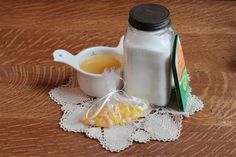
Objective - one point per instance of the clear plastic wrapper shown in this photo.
(115, 108)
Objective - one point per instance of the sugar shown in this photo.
(147, 65)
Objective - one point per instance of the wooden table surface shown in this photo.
(31, 31)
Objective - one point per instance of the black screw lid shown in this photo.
(149, 17)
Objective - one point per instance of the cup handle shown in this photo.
(66, 57)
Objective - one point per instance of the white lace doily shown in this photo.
(160, 124)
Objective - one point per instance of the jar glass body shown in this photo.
(147, 64)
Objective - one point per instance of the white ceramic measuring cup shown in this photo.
(91, 84)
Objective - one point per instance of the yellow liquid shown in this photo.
(98, 63)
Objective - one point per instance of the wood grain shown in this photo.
(30, 31)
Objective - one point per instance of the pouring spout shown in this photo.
(66, 57)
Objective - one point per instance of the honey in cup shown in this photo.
(96, 64)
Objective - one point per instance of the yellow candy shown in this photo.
(118, 115)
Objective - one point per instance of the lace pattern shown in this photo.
(160, 124)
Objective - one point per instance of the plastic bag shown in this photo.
(116, 108)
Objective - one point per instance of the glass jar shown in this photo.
(147, 53)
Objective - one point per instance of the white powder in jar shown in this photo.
(147, 64)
